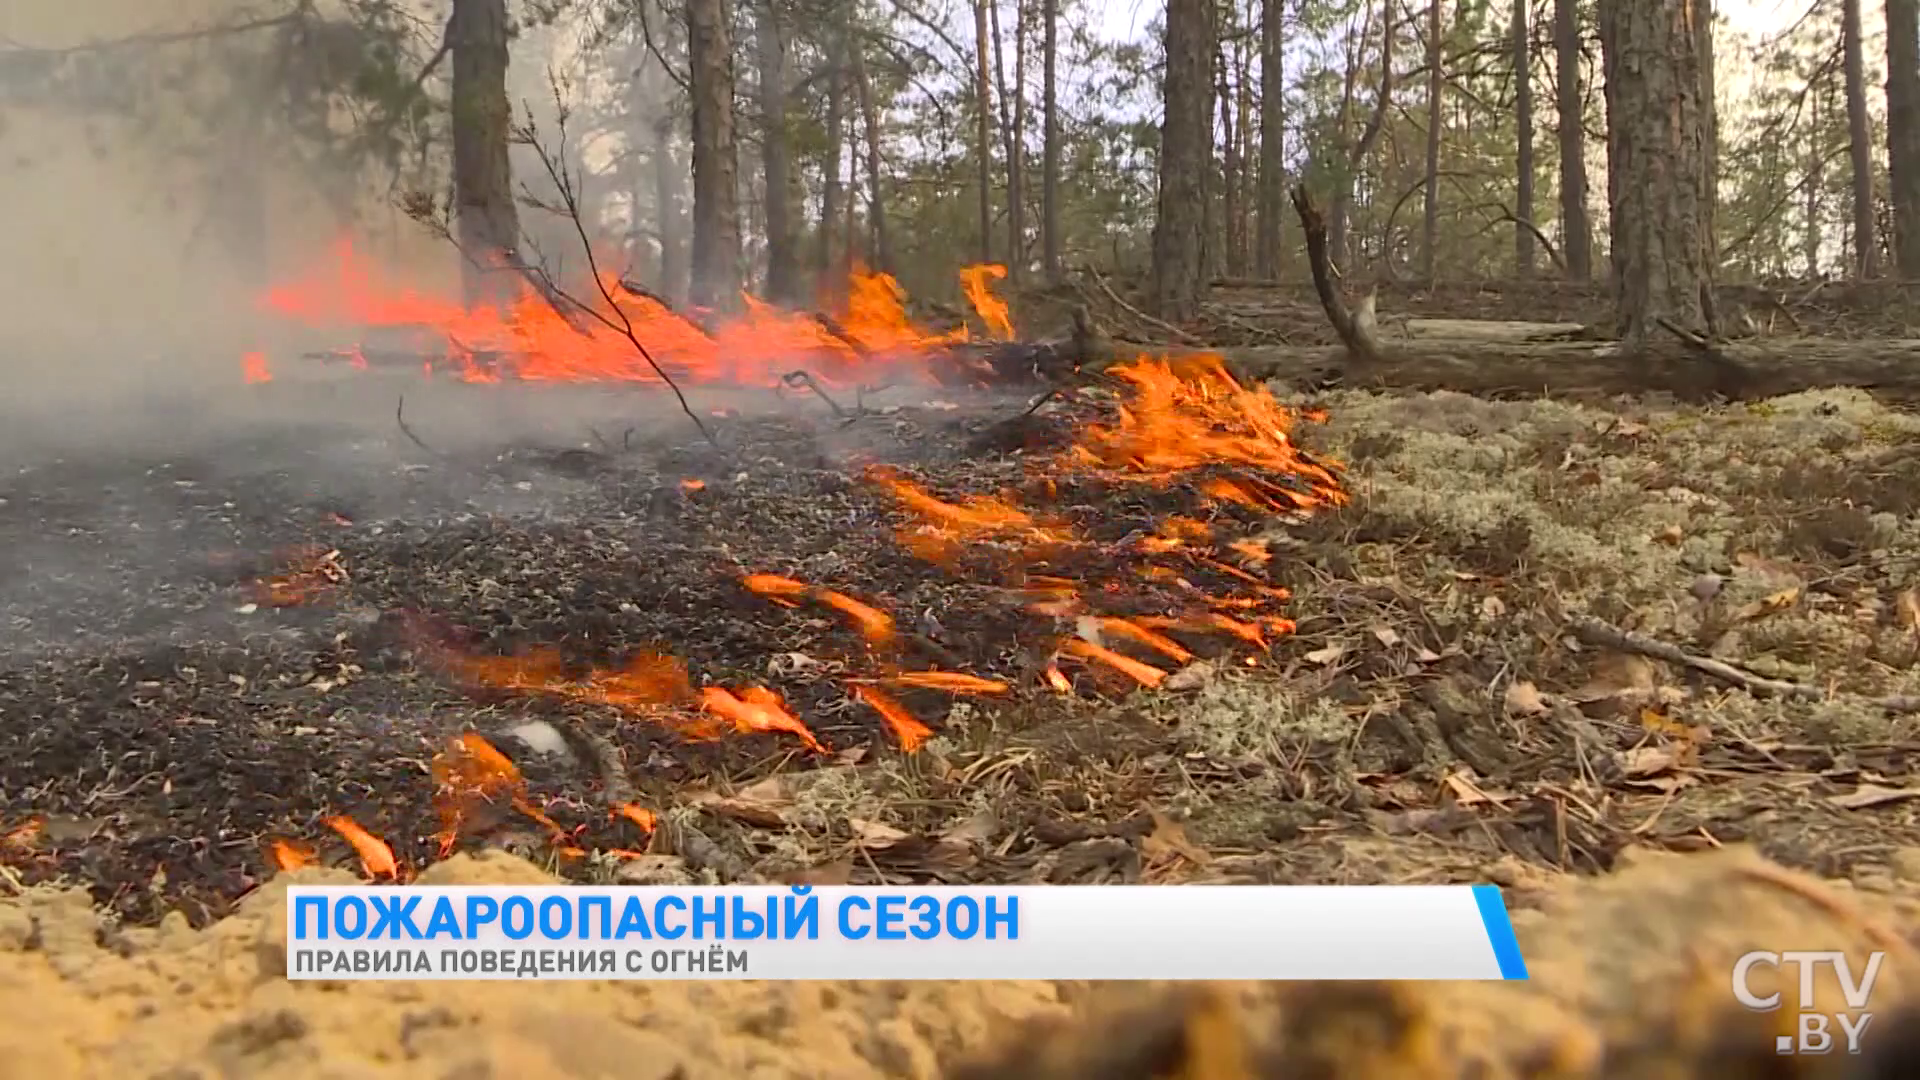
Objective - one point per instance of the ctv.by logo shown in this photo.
(1813, 1030)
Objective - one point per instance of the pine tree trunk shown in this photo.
(1186, 153)
(1273, 140)
(983, 127)
(828, 283)
(1009, 142)
(1436, 83)
(1230, 169)
(716, 213)
(880, 252)
(1903, 131)
(1816, 180)
(1017, 162)
(1860, 139)
(1050, 143)
(1523, 157)
(675, 266)
(1710, 124)
(776, 157)
(486, 221)
(1656, 165)
(1576, 243)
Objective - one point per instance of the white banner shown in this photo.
(1175, 932)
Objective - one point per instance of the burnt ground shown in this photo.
(1435, 717)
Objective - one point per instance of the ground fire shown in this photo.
(1105, 612)
(535, 339)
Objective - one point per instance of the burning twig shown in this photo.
(562, 177)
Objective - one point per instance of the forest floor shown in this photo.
(1541, 644)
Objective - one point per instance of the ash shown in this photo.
(163, 723)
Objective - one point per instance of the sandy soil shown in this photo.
(1630, 978)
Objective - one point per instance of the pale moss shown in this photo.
(1235, 719)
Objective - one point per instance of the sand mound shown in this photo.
(1630, 978)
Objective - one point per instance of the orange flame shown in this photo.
(909, 731)
(757, 709)
(289, 856)
(538, 343)
(1144, 674)
(952, 682)
(992, 310)
(376, 858)
(254, 368)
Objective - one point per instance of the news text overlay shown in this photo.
(939, 933)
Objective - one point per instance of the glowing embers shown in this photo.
(311, 574)
(528, 339)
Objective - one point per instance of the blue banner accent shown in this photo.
(1506, 947)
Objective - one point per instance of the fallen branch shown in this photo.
(1606, 636)
(801, 378)
(562, 179)
(400, 418)
(1356, 334)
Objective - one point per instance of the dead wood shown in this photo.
(1689, 368)
(1595, 632)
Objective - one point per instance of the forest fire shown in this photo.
(535, 338)
(1122, 611)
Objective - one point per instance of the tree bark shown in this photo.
(1860, 139)
(983, 127)
(1186, 155)
(1010, 135)
(1523, 158)
(486, 220)
(828, 284)
(1576, 240)
(1436, 82)
(776, 157)
(1656, 165)
(880, 252)
(1050, 143)
(1710, 127)
(716, 214)
(1273, 138)
(1230, 169)
(1816, 180)
(1903, 132)
(674, 263)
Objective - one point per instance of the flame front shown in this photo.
(1126, 612)
(529, 338)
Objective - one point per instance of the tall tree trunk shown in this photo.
(485, 218)
(716, 214)
(1273, 137)
(1576, 233)
(1860, 139)
(1656, 164)
(1050, 142)
(1233, 262)
(1710, 124)
(776, 157)
(1017, 163)
(829, 283)
(983, 127)
(1436, 83)
(1186, 153)
(1903, 132)
(880, 251)
(675, 266)
(1243, 53)
(1339, 216)
(1816, 179)
(1009, 142)
(1523, 158)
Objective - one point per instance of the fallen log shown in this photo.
(1686, 365)
(1744, 371)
